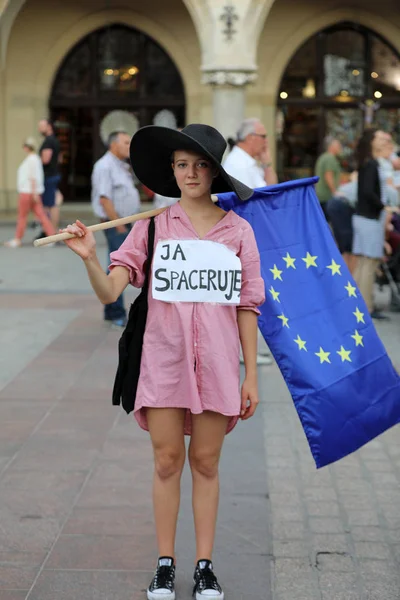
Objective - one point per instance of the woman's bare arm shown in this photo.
(107, 287)
(247, 323)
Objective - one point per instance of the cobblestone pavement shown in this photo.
(75, 472)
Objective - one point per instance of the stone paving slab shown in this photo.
(335, 532)
(75, 473)
(51, 269)
(75, 485)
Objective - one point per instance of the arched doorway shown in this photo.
(340, 81)
(114, 75)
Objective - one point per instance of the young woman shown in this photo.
(30, 186)
(370, 216)
(189, 376)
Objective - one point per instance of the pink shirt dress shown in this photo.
(190, 355)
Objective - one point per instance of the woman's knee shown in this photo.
(204, 463)
(169, 462)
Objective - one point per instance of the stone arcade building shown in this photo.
(305, 67)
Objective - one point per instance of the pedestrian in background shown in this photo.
(30, 186)
(369, 220)
(114, 195)
(250, 158)
(328, 169)
(340, 210)
(250, 161)
(390, 194)
(49, 154)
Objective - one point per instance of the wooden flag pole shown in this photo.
(60, 237)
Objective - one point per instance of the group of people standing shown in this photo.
(37, 184)
(362, 211)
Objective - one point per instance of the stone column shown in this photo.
(3, 148)
(229, 88)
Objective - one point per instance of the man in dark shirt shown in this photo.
(49, 154)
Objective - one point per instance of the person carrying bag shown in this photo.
(131, 342)
(204, 290)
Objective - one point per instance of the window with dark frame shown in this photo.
(114, 68)
(341, 80)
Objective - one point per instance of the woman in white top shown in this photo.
(30, 186)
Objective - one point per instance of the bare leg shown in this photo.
(166, 431)
(55, 216)
(24, 206)
(40, 214)
(352, 263)
(55, 210)
(350, 260)
(208, 433)
(364, 276)
(357, 274)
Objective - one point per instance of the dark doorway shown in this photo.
(113, 69)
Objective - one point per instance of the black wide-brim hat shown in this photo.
(151, 157)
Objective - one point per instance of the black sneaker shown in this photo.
(162, 586)
(206, 585)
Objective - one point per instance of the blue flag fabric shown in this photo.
(343, 384)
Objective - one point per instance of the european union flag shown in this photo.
(343, 384)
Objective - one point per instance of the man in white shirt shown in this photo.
(250, 162)
(114, 195)
(250, 159)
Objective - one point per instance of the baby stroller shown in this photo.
(389, 269)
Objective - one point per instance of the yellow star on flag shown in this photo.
(358, 338)
(310, 260)
(274, 294)
(301, 343)
(323, 356)
(334, 267)
(284, 320)
(289, 260)
(276, 273)
(351, 290)
(359, 316)
(344, 354)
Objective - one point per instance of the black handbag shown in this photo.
(131, 342)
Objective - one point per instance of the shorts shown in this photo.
(50, 188)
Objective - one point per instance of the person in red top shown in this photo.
(204, 292)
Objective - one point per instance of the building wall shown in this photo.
(43, 33)
(268, 33)
(2, 141)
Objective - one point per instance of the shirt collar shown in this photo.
(176, 211)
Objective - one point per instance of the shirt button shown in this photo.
(195, 344)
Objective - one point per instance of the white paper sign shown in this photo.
(196, 271)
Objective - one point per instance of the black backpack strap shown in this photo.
(150, 252)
